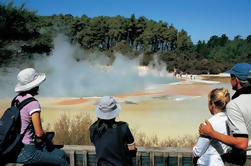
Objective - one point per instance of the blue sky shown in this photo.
(200, 18)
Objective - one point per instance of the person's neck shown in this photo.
(216, 111)
(243, 90)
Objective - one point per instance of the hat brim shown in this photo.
(108, 115)
(230, 72)
(22, 88)
(241, 76)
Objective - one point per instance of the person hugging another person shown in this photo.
(114, 142)
(238, 111)
(207, 149)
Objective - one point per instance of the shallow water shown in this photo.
(162, 110)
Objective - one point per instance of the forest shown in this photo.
(25, 35)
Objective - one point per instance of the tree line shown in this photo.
(24, 34)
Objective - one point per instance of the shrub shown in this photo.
(142, 139)
(75, 131)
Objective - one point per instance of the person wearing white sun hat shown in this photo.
(114, 142)
(28, 84)
(108, 108)
(29, 79)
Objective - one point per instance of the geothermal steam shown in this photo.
(90, 76)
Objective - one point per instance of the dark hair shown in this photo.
(33, 91)
(101, 126)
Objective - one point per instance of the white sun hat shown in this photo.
(28, 79)
(108, 108)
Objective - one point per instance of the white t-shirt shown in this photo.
(238, 111)
(210, 150)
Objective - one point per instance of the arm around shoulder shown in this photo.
(238, 142)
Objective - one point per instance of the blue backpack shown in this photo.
(10, 127)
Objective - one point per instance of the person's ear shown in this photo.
(237, 80)
(210, 107)
(213, 105)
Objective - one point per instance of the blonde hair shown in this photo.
(219, 97)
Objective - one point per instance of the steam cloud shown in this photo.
(91, 76)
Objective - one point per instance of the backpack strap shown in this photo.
(14, 101)
(20, 106)
(22, 135)
(25, 102)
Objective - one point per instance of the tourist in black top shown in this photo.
(113, 140)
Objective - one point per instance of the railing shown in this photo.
(158, 156)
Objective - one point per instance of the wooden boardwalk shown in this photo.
(158, 156)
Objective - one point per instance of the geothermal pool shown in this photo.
(166, 110)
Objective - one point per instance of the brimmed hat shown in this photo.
(241, 70)
(28, 79)
(108, 108)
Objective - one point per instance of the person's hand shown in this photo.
(206, 130)
(131, 147)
